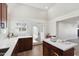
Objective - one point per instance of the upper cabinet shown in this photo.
(3, 14)
(0, 12)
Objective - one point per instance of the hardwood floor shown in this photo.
(76, 51)
(36, 51)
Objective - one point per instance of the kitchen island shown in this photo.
(12, 43)
(52, 48)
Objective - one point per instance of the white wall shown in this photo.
(61, 12)
(25, 11)
(29, 28)
(61, 9)
(20, 13)
(66, 30)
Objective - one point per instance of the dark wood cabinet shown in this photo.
(49, 50)
(45, 51)
(0, 12)
(3, 14)
(22, 45)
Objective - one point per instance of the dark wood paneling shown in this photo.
(0, 12)
(23, 44)
(3, 13)
(51, 50)
(69, 52)
(45, 51)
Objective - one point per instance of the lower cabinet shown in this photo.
(45, 51)
(23, 44)
(49, 50)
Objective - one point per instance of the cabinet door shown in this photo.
(45, 51)
(0, 12)
(53, 53)
(69, 52)
(4, 12)
(16, 50)
(25, 44)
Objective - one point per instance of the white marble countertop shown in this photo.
(61, 45)
(10, 42)
(24, 36)
(4, 44)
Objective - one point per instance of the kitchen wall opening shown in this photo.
(69, 30)
(36, 36)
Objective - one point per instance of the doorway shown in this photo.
(36, 36)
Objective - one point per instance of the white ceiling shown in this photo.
(54, 9)
(44, 6)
